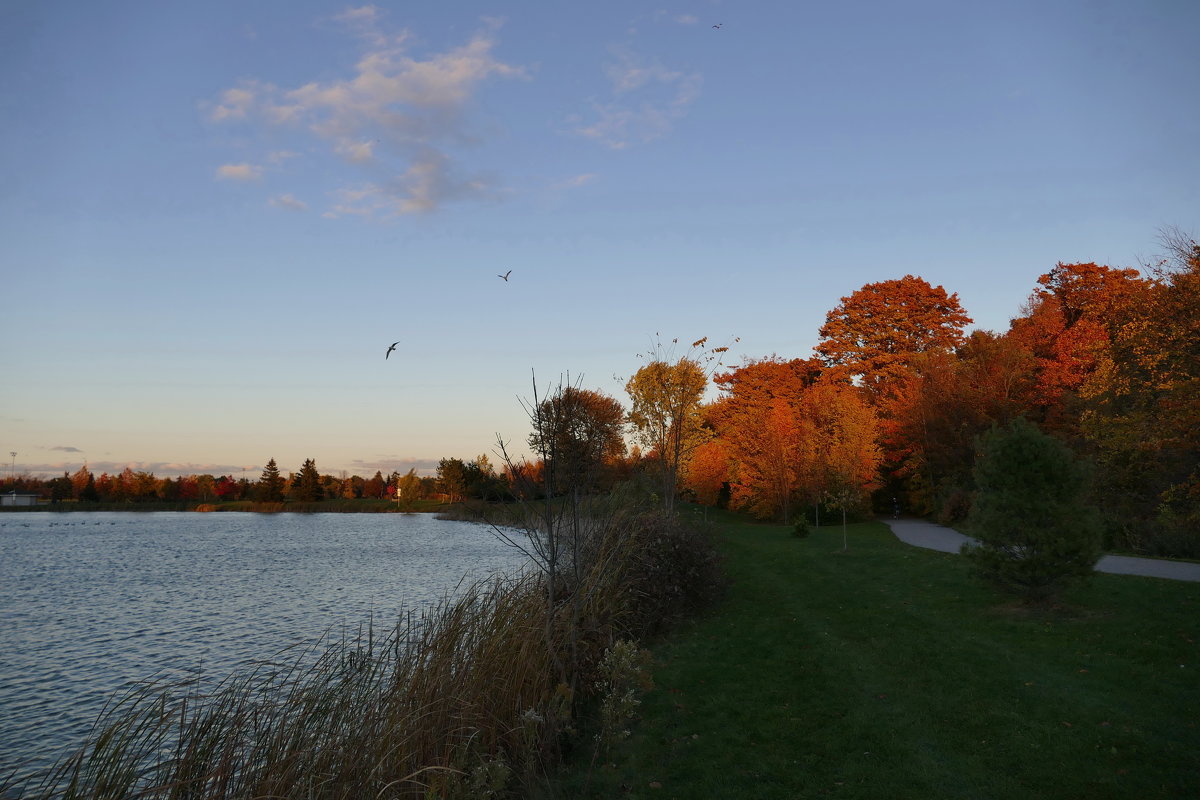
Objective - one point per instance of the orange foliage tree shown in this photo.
(1067, 326)
(877, 332)
(1142, 413)
(707, 472)
(790, 436)
(949, 400)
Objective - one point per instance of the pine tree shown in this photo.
(89, 493)
(270, 485)
(306, 486)
(1036, 534)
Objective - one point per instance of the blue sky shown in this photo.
(215, 217)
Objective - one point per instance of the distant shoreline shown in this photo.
(337, 506)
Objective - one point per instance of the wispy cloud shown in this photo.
(160, 469)
(239, 172)
(390, 464)
(235, 103)
(647, 100)
(576, 180)
(687, 19)
(289, 202)
(66, 449)
(398, 117)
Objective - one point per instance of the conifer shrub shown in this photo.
(801, 529)
(1036, 533)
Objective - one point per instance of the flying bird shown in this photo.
(389, 350)
(718, 25)
(505, 276)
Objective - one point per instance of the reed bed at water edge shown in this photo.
(472, 697)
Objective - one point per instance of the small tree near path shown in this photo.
(1036, 534)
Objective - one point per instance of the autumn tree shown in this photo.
(270, 485)
(1067, 325)
(1142, 411)
(79, 480)
(708, 472)
(581, 432)
(666, 397)
(227, 488)
(1034, 529)
(874, 335)
(764, 432)
(845, 456)
(791, 436)
(481, 479)
(375, 486)
(408, 488)
(949, 400)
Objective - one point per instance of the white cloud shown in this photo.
(397, 116)
(289, 202)
(357, 152)
(648, 99)
(687, 19)
(360, 14)
(429, 182)
(235, 103)
(239, 172)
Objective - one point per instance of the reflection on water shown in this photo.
(92, 601)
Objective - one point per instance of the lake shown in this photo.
(92, 601)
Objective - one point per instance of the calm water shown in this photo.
(90, 602)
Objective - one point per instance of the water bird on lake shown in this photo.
(505, 276)
(389, 350)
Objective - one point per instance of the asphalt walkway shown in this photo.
(931, 536)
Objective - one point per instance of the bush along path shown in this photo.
(888, 671)
(921, 533)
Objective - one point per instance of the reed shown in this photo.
(470, 697)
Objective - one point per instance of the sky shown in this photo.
(216, 217)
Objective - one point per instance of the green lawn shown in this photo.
(887, 672)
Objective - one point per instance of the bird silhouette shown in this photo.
(505, 276)
(718, 25)
(389, 350)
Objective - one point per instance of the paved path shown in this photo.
(920, 533)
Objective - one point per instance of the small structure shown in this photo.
(15, 499)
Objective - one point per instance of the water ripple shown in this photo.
(91, 603)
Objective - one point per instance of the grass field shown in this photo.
(887, 672)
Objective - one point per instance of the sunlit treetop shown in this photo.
(874, 334)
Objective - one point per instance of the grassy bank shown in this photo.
(887, 672)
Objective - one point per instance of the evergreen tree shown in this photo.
(1035, 532)
(452, 478)
(306, 486)
(270, 485)
(89, 493)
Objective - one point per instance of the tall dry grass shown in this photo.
(472, 697)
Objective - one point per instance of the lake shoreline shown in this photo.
(338, 506)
